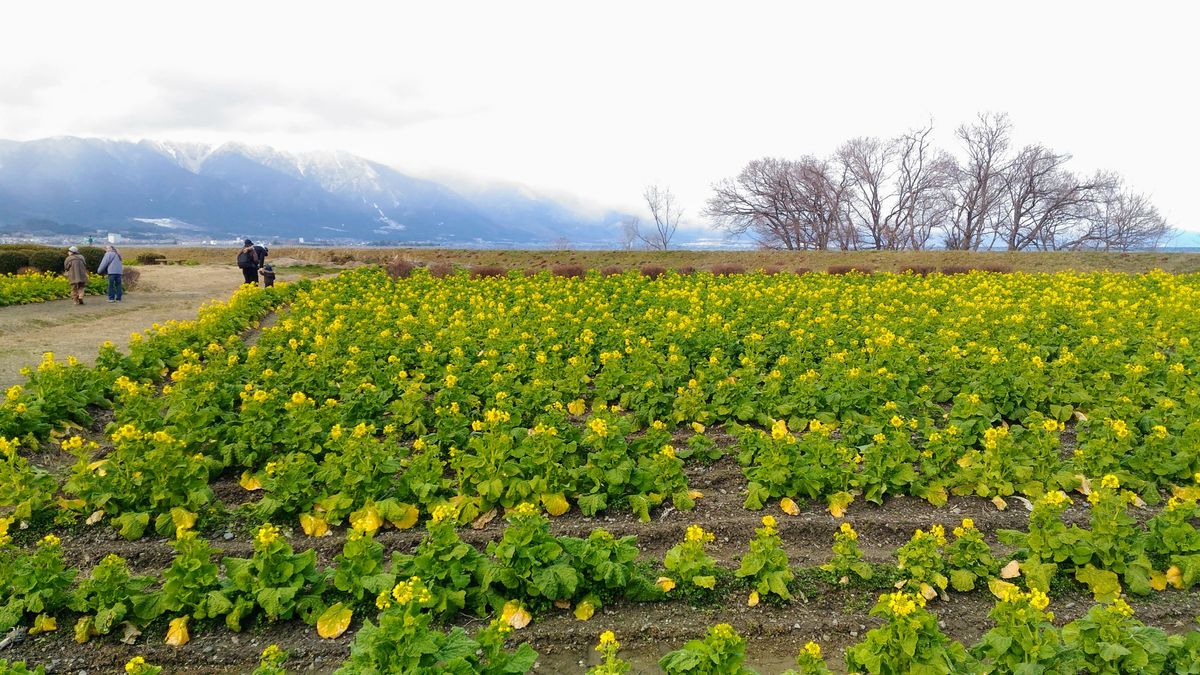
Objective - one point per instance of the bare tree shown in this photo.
(760, 201)
(630, 232)
(784, 204)
(896, 194)
(922, 176)
(1121, 221)
(977, 184)
(870, 203)
(666, 214)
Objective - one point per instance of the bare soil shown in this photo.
(164, 293)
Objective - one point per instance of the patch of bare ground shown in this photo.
(165, 293)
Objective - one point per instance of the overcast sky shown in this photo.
(596, 100)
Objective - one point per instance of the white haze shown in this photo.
(592, 101)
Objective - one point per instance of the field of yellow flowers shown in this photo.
(481, 474)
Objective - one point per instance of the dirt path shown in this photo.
(164, 293)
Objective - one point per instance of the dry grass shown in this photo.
(882, 261)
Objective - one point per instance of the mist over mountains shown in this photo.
(156, 189)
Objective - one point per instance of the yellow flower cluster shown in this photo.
(408, 591)
(695, 533)
(967, 524)
(724, 631)
(903, 604)
(608, 640)
(49, 541)
(267, 534)
(848, 531)
(1056, 498)
(812, 649)
(598, 427)
(523, 509)
(1110, 481)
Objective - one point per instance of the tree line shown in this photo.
(904, 193)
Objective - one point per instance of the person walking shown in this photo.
(248, 260)
(75, 267)
(111, 265)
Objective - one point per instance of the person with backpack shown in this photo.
(75, 268)
(111, 264)
(249, 262)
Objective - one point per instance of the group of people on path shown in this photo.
(252, 260)
(75, 268)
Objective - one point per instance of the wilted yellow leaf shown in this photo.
(562, 604)
(576, 407)
(695, 494)
(752, 601)
(1011, 570)
(43, 624)
(1158, 580)
(584, 610)
(515, 615)
(665, 584)
(85, 628)
(483, 520)
(408, 518)
(838, 502)
(314, 526)
(334, 621)
(1000, 503)
(249, 481)
(936, 496)
(556, 504)
(70, 504)
(1190, 493)
(964, 461)
(177, 632)
(928, 591)
(366, 519)
(788, 506)
(1085, 484)
(1174, 576)
(1002, 589)
(96, 517)
(183, 519)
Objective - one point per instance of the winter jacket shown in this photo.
(75, 267)
(110, 264)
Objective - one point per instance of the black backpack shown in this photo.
(262, 254)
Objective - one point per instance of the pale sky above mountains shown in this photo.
(592, 101)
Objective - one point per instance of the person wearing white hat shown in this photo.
(75, 267)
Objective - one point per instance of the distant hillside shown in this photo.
(67, 185)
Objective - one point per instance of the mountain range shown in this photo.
(157, 189)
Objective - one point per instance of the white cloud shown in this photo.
(599, 99)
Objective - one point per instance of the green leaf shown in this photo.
(133, 524)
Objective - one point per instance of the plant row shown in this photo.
(24, 289)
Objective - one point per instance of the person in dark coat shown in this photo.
(247, 260)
